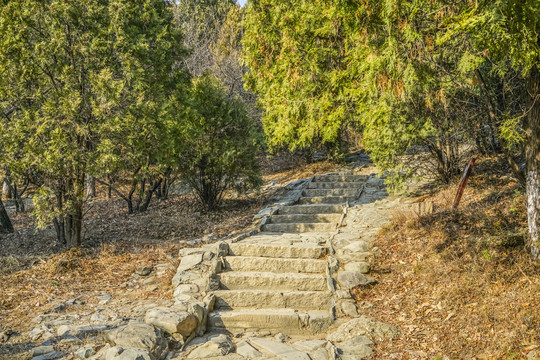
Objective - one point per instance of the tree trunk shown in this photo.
(90, 187)
(493, 120)
(6, 189)
(5, 223)
(74, 226)
(533, 163)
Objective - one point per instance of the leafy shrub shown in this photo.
(220, 143)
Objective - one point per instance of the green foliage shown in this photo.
(79, 78)
(295, 51)
(220, 143)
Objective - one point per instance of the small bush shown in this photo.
(220, 143)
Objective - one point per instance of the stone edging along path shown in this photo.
(279, 291)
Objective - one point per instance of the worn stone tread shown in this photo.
(278, 265)
(234, 280)
(305, 218)
(330, 192)
(289, 321)
(300, 227)
(335, 185)
(299, 300)
(340, 178)
(302, 250)
(326, 200)
(311, 209)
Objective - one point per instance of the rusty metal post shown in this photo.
(463, 182)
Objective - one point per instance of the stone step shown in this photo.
(311, 209)
(335, 185)
(276, 265)
(326, 200)
(234, 280)
(304, 251)
(287, 321)
(330, 192)
(305, 218)
(299, 227)
(299, 300)
(340, 178)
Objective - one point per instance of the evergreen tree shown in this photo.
(74, 74)
(220, 143)
(295, 51)
(509, 32)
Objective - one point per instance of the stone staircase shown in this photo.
(274, 282)
(320, 209)
(281, 279)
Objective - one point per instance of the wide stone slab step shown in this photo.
(311, 209)
(287, 321)
(335, 185)
(234, 280)
(300, 227)
(340, 178)
(326, 200)
(276, 265)
(331, 192)
(299, 300)
(304, 251)
(305, 218)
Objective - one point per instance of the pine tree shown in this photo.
(74, 74)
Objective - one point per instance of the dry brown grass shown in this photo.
(459, 284)
(36, 275)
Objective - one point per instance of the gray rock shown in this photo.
(349, 308)
(295, 184)
(363, 326)
(85, 352)
(283, 351)
(361, 267)
(142, 336)
(186, 289)
(36, 333)
(183, 299)
(264, 212)
(310, 345)
(281, 337)
(343, 294)
(97, 317)
(120, 353)
(357, 347)
(333, 264)
(190, 261)
(319, 354)
(42, 350)
(82, 330)
(246, 350)
(144, 270)
(222, 249)
(198, 310)
(183, 277)
(351, 279)
(220, 345)
(358, 246)
(104, 299)
(172, 320)
(63, 330)
(49, 356)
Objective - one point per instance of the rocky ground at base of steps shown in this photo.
(65, 337)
